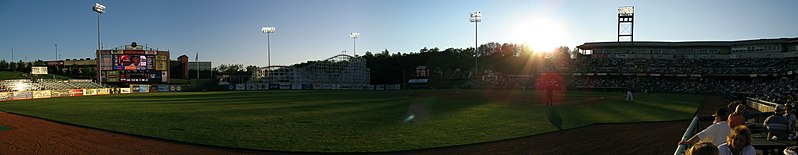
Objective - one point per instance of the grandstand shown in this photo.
(343, 71)
(709, 67)
(68, 84)
(20, 85)
(47, 84)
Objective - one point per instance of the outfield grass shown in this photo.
(349, 121)
(8, 75)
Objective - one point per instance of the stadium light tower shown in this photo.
(354, 36)
(626, 23)
(100, 9)
(476, 17)
(268, 30)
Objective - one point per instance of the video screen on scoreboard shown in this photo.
(134, 76)
(132, 62)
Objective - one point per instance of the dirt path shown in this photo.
(37, 136)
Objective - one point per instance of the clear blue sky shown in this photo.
(228, 32)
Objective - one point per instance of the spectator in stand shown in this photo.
(739, 142)
(777, 124)
(715, 133)
(790, 116)
(703, 148)
(792, 150)
(733, 105)
(737, 118)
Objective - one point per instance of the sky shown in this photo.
(228, 32)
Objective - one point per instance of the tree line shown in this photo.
(450, 63)
(459, 63)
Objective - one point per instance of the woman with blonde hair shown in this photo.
(737, 118)
(738, 142)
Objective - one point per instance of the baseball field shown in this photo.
(351, 121)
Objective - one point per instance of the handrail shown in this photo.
(761, 105)
(687, 135)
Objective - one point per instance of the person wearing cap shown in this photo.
(777, 124)
(715, 133)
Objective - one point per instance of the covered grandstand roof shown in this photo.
(594, 45)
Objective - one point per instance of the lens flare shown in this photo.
(550, 88)
(409, 118)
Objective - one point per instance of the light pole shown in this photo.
(56, 52)
(476, 17)
(354, 36)
(268, 30)
(100, 9)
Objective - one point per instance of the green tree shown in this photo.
(3, 65)
(251, 69)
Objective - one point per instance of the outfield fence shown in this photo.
(41, 94)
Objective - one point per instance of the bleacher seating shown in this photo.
(20, 84)
(44, 84)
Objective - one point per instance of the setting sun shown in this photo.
(541, 34)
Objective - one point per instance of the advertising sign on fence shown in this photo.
(23, 95)
(87, 92)
(41, 94)
(154, 89)
(5, 96)
(76, 92)
(103, 91)
(163, 88)
(392, 87)
(59, 93)
(307, 86)
(124, 90)
(144, 88)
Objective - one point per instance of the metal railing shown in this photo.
(761, 105)
(687, 134)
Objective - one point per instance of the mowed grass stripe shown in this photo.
(350, 121)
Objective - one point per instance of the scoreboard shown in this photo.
(133, 65)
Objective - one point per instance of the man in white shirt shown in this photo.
(715, 133)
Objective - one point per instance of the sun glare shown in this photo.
(541, 34)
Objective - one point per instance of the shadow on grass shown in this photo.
(554, 117)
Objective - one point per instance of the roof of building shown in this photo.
(594, 45)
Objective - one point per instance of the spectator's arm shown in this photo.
(691, 141)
